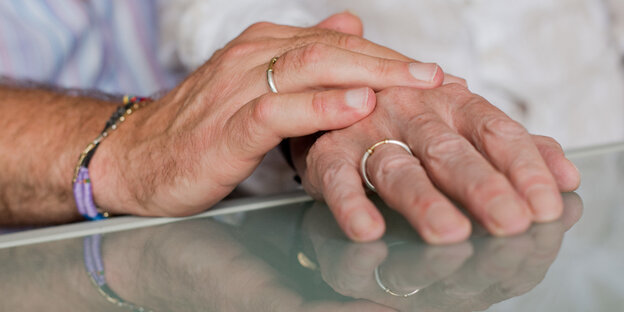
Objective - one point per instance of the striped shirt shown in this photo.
(106, 45)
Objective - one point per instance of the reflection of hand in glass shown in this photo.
(195, 265)
(207, 264)
(462, 277)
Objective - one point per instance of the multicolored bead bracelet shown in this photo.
(83, 192)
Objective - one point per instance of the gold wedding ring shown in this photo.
(370, 152)
(269, 74)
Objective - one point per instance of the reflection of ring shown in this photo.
(387, 290)
(269, 74)
(370, 151)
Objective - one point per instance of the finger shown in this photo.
(346, 266)
(404, 185)
(461, 172)
(416, 266)
(347, 35)
(509, 147)
(291, 38)
(341, 30)
(356, 44)
(340, 183)
(547, 240)
(260, 125)
(494, 260)
(350, 42)
(324, 66)
(353, 270)
(345, 22)
(448, 79)
(565, 172)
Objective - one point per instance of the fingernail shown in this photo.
(360, 224)
(446, 223)
(546, 203)
(357, 98)
(423, 71)
(508, 215)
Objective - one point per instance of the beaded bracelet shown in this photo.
(83, 193)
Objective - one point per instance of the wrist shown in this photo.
(114, 168)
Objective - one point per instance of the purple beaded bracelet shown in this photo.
(83, 193)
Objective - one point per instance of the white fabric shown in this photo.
(553, 65)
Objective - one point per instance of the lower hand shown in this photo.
(465, 150)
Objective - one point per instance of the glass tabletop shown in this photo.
(286, 253)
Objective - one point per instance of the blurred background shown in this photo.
(553, 65)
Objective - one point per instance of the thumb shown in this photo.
(345, 22)
(260, 125)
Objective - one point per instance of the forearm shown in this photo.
(44, 131)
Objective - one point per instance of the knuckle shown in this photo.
(332, 172)
(351, 42)
(446, 145)
(530, 172)
(461, 81)
(551, 141)
(400, 96)
(312, 53)
(548, 141)
(487, 188)
(321, 156)
(319, 104)
(457, 89)
(503, 126)
(393, 164)
(321, 146)
(458, 94)
(323, 151)
(263, 110)
(240, 49)
(256, 27)
(382, 68)
(348, 203)
(425, 203)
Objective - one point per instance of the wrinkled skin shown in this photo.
(465, 150)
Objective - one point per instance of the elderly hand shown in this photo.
(190, 148)
(465, 150)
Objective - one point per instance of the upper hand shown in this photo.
(189, 149)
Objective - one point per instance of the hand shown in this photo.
(189, 149)
(469, 276)
(464, 147)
